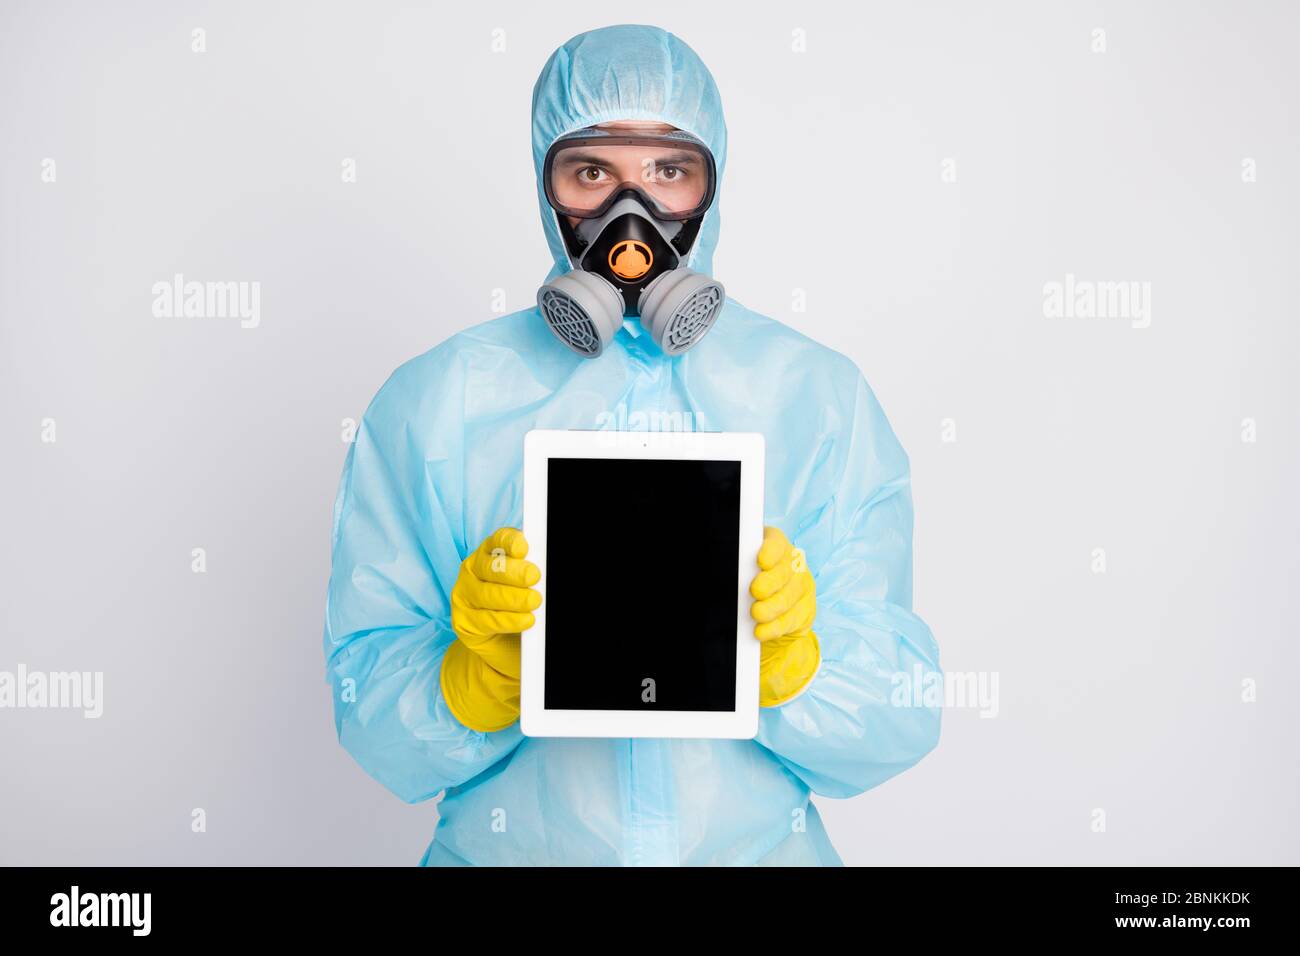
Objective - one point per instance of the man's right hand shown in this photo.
(492, 603)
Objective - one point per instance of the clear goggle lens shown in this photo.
(583, 176)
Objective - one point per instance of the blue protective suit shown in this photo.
(437, 466)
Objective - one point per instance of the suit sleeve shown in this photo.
(857, 723)
(387, 619)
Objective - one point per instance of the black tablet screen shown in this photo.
(641, 584)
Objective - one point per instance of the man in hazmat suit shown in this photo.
(431, 591)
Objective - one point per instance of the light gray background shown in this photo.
(1119, 691)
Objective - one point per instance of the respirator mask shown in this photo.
(639, 201)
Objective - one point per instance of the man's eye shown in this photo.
(591, 174)
(671, 174)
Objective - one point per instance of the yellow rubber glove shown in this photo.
(491, 605)
(785, 603)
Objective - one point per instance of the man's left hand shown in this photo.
(785, 603)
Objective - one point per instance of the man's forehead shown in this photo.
(647, 126)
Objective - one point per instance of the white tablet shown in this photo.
(647, 543)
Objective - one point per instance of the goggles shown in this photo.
(586, 171)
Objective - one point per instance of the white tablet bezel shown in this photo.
(744, 447)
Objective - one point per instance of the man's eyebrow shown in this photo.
(681, 159)
(569, 159)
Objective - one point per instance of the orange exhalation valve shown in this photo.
(630, 259)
